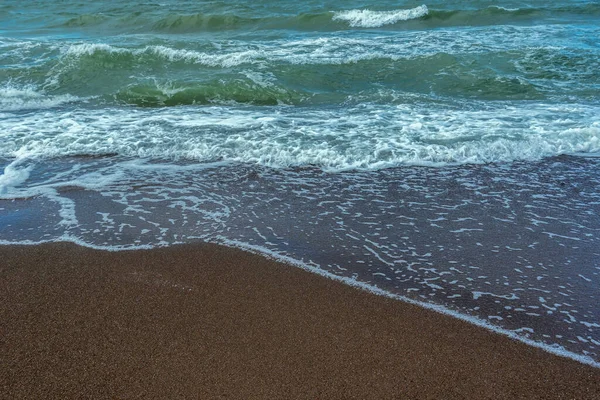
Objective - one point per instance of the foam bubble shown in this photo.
(91, 48)
(375, 19)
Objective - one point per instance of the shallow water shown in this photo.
(515, 245)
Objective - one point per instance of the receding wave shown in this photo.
(104, 53)
(323, 71)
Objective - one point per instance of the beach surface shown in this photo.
(205, 321)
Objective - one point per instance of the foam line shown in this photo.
(554, 349)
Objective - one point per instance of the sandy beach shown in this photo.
(204, 321)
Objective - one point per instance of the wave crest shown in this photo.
(237, 91)
(375, 19)
(26, 98)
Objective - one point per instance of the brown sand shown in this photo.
(205, 322)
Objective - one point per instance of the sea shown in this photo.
(445, 153)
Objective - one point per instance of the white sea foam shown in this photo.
(210, 59)
(375, 19)
(362, 137)
(76, 240)
(14, 98)
(13, 176)
(230, 59)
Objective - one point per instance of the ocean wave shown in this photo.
(375, 19)
(328, 49)
(422, 16)
(362, 137)
(14, 98)
(500, 63)
(202, 22)
(159, 53)
(498, 15)
(240, 91)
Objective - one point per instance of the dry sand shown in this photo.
(204, 321)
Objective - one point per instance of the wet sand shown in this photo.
(204, 321)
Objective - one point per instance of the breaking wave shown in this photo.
(13, 98)
(360, 137)
(375, 19)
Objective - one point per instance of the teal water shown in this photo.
(442, 151)
(415, 81)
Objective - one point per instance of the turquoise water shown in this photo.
(445, 82)
(443, 151)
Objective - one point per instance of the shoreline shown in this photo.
(490, 242)
(212, 321)
(554, 349)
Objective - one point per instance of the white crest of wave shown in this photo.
(14, 176)
(226, 60)
(91, 48)
(375, 19)
(212, 60)
(14, 98)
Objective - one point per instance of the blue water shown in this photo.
(444, 152)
